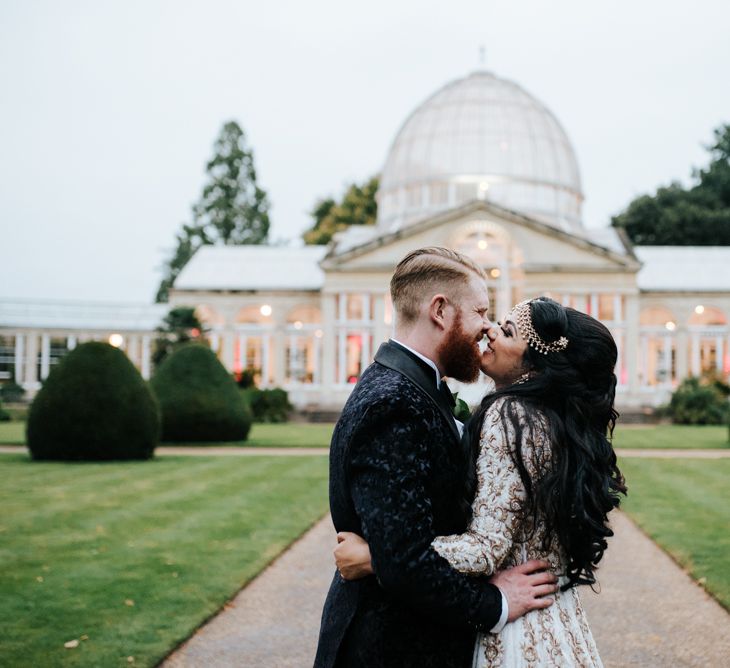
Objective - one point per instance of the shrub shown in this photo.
(699, 401)
(246, 378)
(11, 392)
(93, 406)
(4, 415)
(199, 399)
(268, 405)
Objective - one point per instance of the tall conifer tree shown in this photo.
(232, 209)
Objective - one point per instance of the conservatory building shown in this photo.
(482, 167)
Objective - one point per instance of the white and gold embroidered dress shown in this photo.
(495, 540)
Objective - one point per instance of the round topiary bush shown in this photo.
(700, 401)
(199, 399)
(93, 406)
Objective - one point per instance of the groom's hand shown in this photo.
(526, 587)
(352, 556)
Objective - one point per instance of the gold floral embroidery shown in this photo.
(495, 539)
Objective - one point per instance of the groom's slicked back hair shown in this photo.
(425, 272)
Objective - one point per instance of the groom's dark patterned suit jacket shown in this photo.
(396, 477)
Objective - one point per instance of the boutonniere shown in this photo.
(461, 409)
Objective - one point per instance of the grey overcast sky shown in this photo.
(108, 110)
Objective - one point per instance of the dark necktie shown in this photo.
(446, 394)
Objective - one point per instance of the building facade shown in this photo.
(482, 167)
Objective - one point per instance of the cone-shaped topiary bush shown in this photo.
(200, 400)
(93, 406)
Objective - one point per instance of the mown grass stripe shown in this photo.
(177, 550)
(684, 505)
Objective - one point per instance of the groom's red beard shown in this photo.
(459, 354)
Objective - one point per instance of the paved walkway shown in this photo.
(649, 613)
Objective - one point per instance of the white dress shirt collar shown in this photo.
(430, 363)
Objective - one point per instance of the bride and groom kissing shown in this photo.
(462, 545)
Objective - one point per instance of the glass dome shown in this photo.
(481, 137)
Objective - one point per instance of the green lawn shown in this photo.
(293, 435)
(12, 433)
(684, 505)
(129, 558)
(674, 436)
(287, 435)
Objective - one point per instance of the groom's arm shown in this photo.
(390, 465)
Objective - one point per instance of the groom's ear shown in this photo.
(437, 310)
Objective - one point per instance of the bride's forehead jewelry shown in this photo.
(523, 320)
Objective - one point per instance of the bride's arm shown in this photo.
(500, 498)
(496, 510)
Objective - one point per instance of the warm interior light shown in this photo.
(670, 325)
(116, 340)
(495, 273)
(266, 310)
(482, 244)
(298, 324)
(699, 309)
(483, 186)
(318, 333)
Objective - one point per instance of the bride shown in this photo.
(544, 481)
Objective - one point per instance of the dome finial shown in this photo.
(482, 56)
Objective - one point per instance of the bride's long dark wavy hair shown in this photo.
(574, 389)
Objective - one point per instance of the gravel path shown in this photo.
(274, 621)
(649, 613)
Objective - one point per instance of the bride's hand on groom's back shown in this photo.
(526, 587)
(352, 556)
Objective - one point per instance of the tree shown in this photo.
(188, 241)
(358, 207)
(679, 216)
(232, 208)
(179, 326)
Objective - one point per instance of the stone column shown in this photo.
(45, 356)
(696, 363)
(682, 358)
(30, 380)
(632, 342)
(228, 350)
(719, 354)
(145, 362)
(279, 341)
(266, 359)
(19, 358)
(328, 341)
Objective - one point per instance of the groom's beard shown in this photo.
(459, 354)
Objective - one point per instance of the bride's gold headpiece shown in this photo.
(523, 320)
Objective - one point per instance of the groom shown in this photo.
(398, 478)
